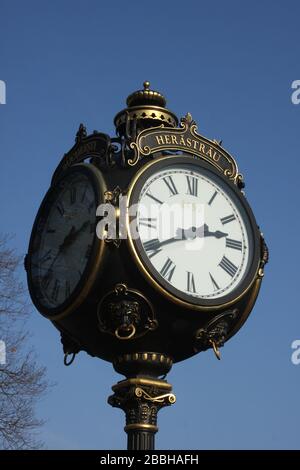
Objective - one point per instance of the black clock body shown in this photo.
(123, 304)
(176, 325)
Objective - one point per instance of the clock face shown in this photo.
(194, 235)
(64, 238)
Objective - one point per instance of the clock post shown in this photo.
(145, 252)
(142, 396)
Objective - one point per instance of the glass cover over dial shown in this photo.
(63, 239)
(194, 234)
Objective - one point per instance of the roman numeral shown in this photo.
(170, 183)
(72, 195)
(84, 193)
(228, 266)
(60, 208)
(151, 223)
(168, 269)
(212, 198)
(67, 289)
(216, 287)
(234, 244)
(152, 247)
(153, 197)
(46, 256)
(190, 282)
(88, 251)
(227, 219)
(45, 281)
(192, 185)
(55, 291)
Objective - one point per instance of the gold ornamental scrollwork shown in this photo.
(184, 139)
(165, 398)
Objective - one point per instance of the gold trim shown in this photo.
(150, 324)
(146, 111)
(146, 95)
(140, 426)
(186, 130)
(216, 349)
(249, 307)
(98, 259)
(169, 397)
(131, 332)
(141, 381)
(143, 268)
(145, 357)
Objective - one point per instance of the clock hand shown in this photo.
(156, 244)
(217, 233)
(83, 227)
(72, 235)
(61, 248)
(68, 240)
(201, 232)
(188, 234)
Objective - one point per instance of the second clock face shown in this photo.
(194, 234)
(64, 239)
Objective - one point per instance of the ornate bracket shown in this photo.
(264, 256)
(214, 334)
(185, 139)
(96, 147)
(112, 197)
(126, 314)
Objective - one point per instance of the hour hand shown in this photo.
(68, 239)
(216, 234)
(219, 234)
(203, 231)
(72, 235)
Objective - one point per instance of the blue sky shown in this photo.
(231, 65)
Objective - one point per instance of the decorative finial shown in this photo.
(145, 108)
(81, 133)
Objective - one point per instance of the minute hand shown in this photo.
(189, 234)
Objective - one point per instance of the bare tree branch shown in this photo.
(22, 379)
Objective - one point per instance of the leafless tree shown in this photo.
(22, 380)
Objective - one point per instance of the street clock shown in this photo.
(145, 252)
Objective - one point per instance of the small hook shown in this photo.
(216, 349)
(66, 362)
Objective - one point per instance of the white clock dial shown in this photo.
(193, 232)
